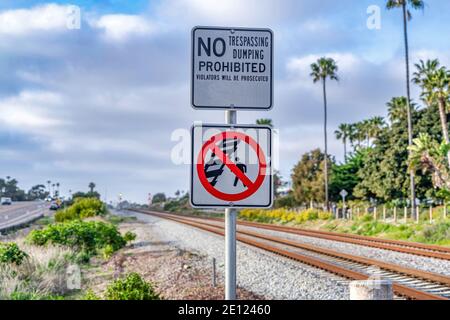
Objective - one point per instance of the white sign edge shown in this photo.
(272, 82)
(191, 182)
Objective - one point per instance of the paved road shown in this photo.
(20, 213)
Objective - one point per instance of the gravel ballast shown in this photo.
(403, 259)
(260, 272)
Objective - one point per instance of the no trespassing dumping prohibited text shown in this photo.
(250, 58)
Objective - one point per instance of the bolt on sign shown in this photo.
(231, 166)
(232, 68)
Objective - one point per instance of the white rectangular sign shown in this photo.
(232, 68)
(231, 166)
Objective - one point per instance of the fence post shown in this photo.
(214, 281)
(406, 214)
(431, 213)
(445, 211)
(417, 214)
(367, 210)
(358, 211)
(384, 213)
(375, 213)
(395, 214)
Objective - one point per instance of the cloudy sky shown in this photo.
(109, 101)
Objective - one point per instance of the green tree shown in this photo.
(345, 176)
(435, 84)
(344, 133)
(405, 5)
(159, 197)
(37, 192)
(397, 109)
(430, 156)
(307, 177)
(265, 122)
(10, 189)
(382, 174)
(91, 187)
(323, 69)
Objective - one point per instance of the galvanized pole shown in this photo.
(230, 234)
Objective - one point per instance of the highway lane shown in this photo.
(21, 212)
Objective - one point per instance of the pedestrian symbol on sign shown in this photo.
(232, 167)
(215, 167)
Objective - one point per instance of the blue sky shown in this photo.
(102, 103)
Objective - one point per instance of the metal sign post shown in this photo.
(232, 68)
(230, 234)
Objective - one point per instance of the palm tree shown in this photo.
(428, 155)
(265, 122)
(397, 109)
(376, 125)
(344, 133)
(321, 70)
(405, 5)
(92, 186)
(435, 83)
(57, 188)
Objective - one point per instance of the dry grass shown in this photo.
(43, 273)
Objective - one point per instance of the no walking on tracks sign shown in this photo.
(231, 166)
(232, 68)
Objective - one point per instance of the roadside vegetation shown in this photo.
(128, 287)
(283, 216)
(35, 267)
(82, 208)
(436, 234)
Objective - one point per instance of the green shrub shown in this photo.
(90, 295)
(11, 253)
(129, 236)
(131, 287)
(323, 215)
(82, 208)
(85, 237)
(17, 295)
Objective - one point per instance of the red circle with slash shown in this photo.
(252, 186)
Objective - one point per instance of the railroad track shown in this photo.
(419, 249)
(407, 282)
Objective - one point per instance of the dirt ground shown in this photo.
(177, 274)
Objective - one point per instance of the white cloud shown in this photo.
(30, 111)
(45, 18)
(121, 26)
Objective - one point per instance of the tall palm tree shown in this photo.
(435, 83)
(323, 69)
(405, 5)
(265, 122)
(344, 133)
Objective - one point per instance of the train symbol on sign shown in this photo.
(214, 168)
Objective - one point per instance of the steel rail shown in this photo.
(419, 249)
(399, 289)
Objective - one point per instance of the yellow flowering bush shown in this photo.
(283, 215)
